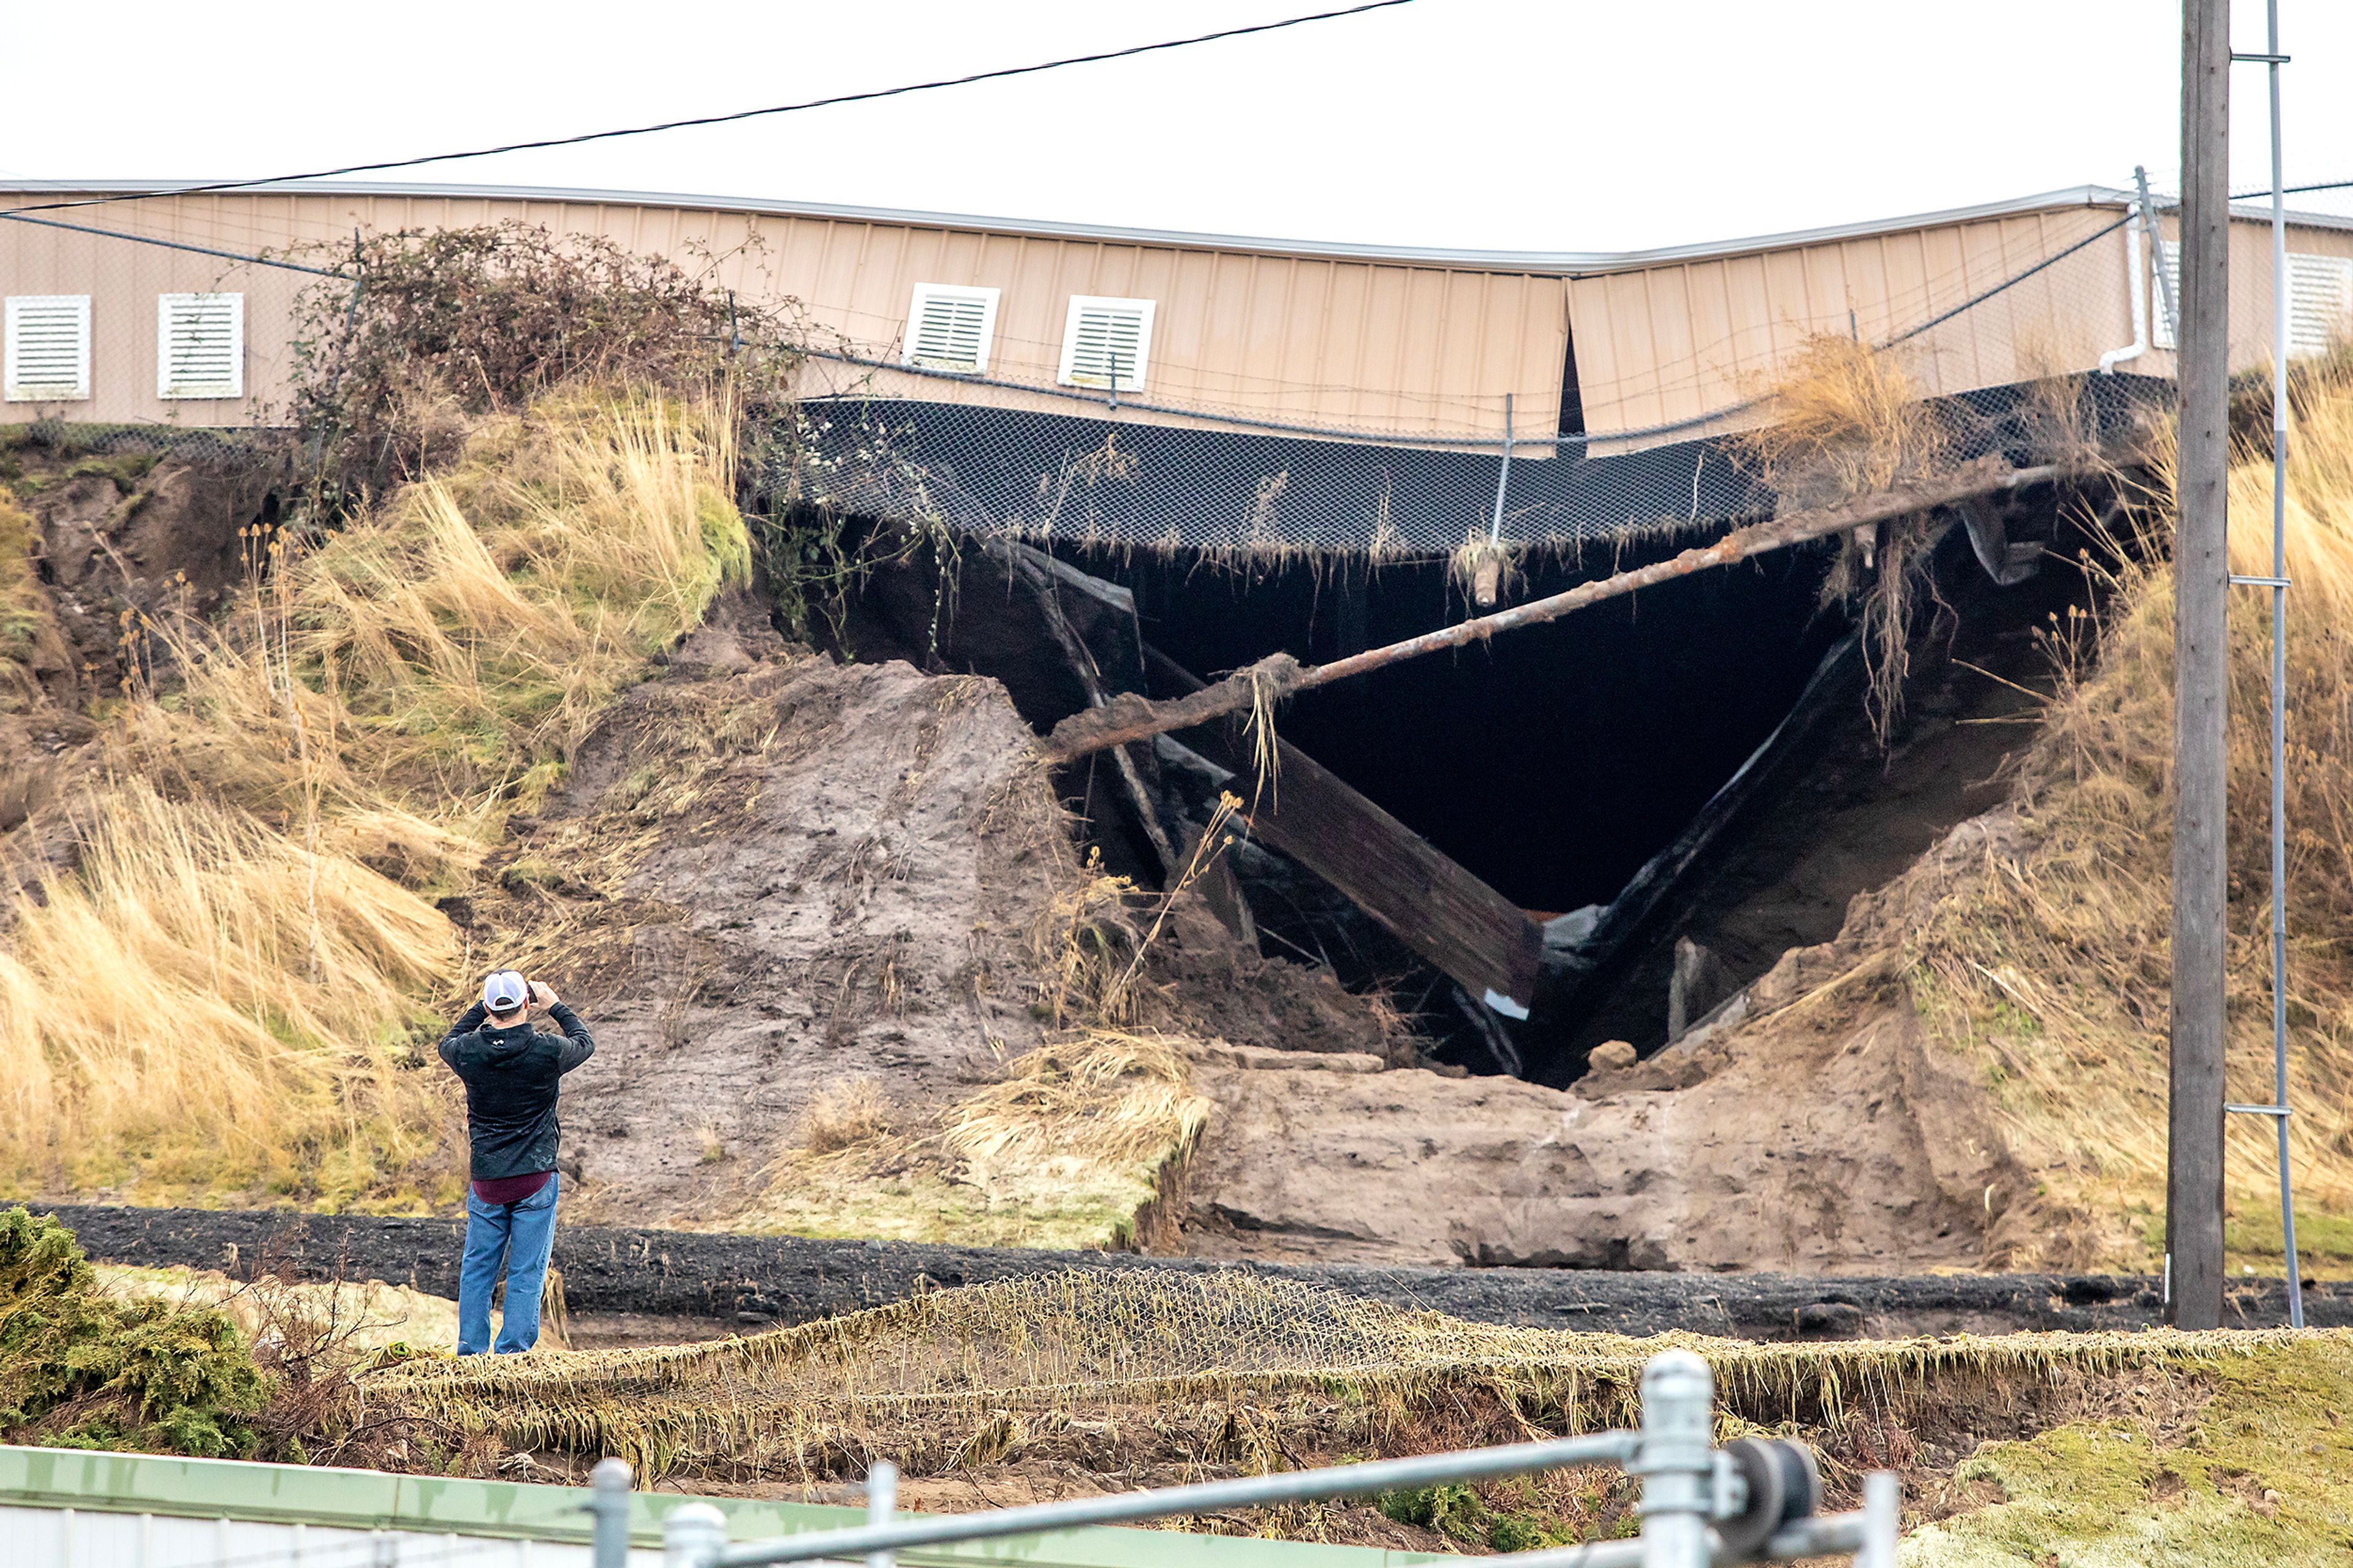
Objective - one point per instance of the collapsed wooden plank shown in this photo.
(1473, 934)
(1131, 718)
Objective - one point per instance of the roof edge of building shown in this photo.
(1562, 263)
(1569, 263)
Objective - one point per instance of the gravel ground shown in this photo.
(748, 1282)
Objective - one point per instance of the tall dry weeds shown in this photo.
(449, 647)
(228, 994)
(1845, 419)
(208, 1001)
(2051, 970)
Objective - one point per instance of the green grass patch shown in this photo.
(2256, 1475)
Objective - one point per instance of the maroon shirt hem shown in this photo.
(512, 1189)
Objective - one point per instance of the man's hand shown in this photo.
(543, 997)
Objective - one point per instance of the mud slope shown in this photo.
(806, 854)
(770, 876)
(1821, 1136)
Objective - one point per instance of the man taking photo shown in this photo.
(511, 1071)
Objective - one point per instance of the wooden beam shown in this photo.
(2194, 1206)
(1473, 934)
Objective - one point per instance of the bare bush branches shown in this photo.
(448, 325)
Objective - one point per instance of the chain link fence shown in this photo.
(2051, 352)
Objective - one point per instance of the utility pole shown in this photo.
(2193, 1183)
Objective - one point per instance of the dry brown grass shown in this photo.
(207, 1002)
(442, 654)
(1102, 1099)
(228, 994)
(843, 1114)
(1062, 1150)
(2051, 970)
(1845, 419)
(364, 1315)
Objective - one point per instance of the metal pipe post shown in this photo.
(693, 1536)
(1503, 475)
(2193, 1185)
(881, 1502)
(608, 1514)
(2279, 677)
(1676, 1460)
(2164, 284)
(1883, 1507)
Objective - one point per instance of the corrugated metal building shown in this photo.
(1626, 349)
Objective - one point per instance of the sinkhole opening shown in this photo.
(1715, 722)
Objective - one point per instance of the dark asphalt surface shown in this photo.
(750, 1281)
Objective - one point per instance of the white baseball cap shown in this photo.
(504, 992)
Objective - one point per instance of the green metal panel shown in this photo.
(373, 1499)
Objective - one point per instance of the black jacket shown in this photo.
(510, 1077)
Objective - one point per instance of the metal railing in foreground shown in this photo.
(1748, 1501)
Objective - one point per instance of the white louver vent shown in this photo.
(2161, 334)
(1104, 333)
(200, 345)
(2319, 303)
(949, 327)
(48, 348)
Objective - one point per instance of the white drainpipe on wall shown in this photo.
(2134, 286)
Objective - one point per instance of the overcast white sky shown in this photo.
(1521, 125)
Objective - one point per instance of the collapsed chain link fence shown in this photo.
(2012, 368)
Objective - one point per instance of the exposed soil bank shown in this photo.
(755, 1280)
(1848, 814)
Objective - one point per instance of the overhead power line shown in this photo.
(998, 74)
(2293, 190)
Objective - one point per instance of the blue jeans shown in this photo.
(520, 1234)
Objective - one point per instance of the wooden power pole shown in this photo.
(2193, 1185)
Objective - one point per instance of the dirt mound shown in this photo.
(763, 884)
(813, 910)
(1814, 1129)
(111, 533)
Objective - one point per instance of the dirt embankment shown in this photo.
(102, 539)
(806, 904)
(1814, 1130)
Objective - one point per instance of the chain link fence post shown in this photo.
(608, 1512)
(1676, 1460)
(881, 1502)
(693, 1536)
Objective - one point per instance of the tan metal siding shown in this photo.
(1684, 340)
(1415, 347)
(1298, 339)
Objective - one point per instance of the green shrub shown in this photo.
(1450, 1511)
(81, 1370)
